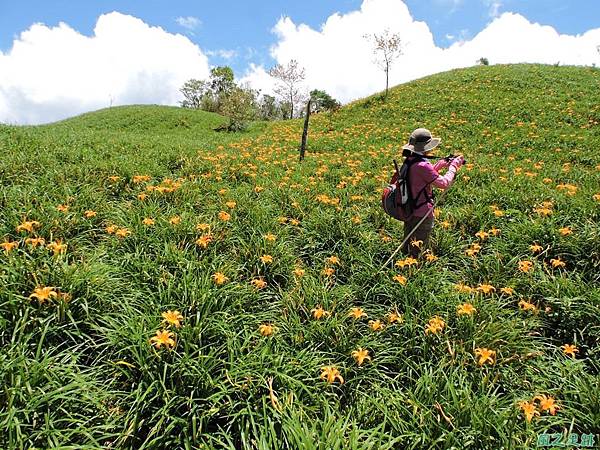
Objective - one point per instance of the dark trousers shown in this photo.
(420, 234)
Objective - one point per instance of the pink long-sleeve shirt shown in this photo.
(425, 175)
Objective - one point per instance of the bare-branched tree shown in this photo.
(387, 47)
(288, 88)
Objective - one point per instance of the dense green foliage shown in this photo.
(153, 205)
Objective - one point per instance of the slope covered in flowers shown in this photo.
(165, 285)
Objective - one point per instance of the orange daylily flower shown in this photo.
(466, 309)
(360, 355)
(163, 337)
(44, 294)
(331, 374)
(57, 247)
(319, 312)
(8, 246)
(28, 226)
(172, 318)
(436, 324)
(258, 283)
(570, 349)
(267, 329)
(357, 313)
(219, 278)
(529, 410)
(485, 355)
(547, 403)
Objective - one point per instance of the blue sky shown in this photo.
(143, 51)
(245, 25)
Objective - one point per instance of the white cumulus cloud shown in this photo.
(339, 60)
(51, 73)
(189, 22)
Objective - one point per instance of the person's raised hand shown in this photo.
(458, 162)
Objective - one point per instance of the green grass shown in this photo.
(80, 372)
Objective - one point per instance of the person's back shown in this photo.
(423, 176)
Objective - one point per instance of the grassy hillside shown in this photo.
(138, 211)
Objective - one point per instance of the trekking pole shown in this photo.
(411, 233)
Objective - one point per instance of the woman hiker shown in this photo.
(422, 176)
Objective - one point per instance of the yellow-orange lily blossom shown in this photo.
(376, 325)
(400, 279)
(163, 337)
(219, 278)
(569, 349)
(28, 226)
(486, 288)
(557, 263)
(357, 312)
(483, 235)
(495, 231)
(122, 232)
(44, 294)
(485, 355)
(172, 318)
(175, 220)
(299, 272)
(230, 204)
(547, 403)
(436, 324)
(527, 306)
(34, 242)
(8, 246)
(463, 288)
(89, 214)
(203, 241)
(536, 248)
(525, 266)
(393, 317)
(267, 329)
(328, 271)
(266, 259)
(223, 216)
(270, 237)
(430, 257)
(331, 374)
(416, 243)
(465, 309)
(203, 227)
(319, 312)
(148, 221)
(141, 178)
(565, 231)
(360, 354)
(507, 290)
(333, 260)
(529, 410)
(258, 283)
(57, 247)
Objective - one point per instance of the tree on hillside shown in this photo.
(194, 91)
(268, 108)
(387, 47)
(288, 88)
(239, 105)
(208, 95)
(322, 101)
(483, 62)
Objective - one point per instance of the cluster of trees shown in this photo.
(241, 104)
(221, 94)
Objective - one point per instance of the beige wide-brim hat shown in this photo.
(421, 141)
